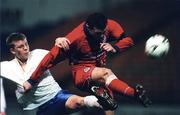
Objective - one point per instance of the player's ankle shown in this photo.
(91, 101)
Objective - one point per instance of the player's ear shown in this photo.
(12, 50)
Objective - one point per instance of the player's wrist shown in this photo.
(116, 48)
(31, 81)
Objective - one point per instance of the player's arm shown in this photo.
(123, 41)
(70, 38)
(54, 56)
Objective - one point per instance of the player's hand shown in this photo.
(107, 47)
(27, 86)
(62, 42)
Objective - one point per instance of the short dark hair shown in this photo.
(14, 37)
(97, 20)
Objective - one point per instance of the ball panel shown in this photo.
(157, 46)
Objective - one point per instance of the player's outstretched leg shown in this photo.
(104, 98)
(141, 96)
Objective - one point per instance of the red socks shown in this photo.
(121, 87)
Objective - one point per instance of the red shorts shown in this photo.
(82, 75)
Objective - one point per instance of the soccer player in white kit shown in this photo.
(47, 95)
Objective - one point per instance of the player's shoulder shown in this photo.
(79, 28)
(114, 25)
(112, 21)
(38, 54)
(4, 64)
(39, 51)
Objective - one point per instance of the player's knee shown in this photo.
(102, 74)
(108, 76)
(74, 102)
(106, 72)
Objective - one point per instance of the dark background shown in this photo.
(140, 19)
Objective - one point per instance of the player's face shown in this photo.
(95, 32)
(21, 49)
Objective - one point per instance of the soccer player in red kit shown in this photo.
(86, 47)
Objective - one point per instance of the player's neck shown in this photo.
(22, 63)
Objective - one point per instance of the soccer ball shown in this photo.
(157, 46)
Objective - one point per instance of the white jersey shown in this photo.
(42, 92)
(3, 101)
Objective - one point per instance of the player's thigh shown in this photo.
(56, 105)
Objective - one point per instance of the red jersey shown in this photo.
(84, 49)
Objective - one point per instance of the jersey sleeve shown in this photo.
(53, 57)
(75, 34)
(114, 28)
(123, 41)
(56, 55)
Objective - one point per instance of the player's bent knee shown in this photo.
(74, 102)
(101, 74)
(106, 72)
